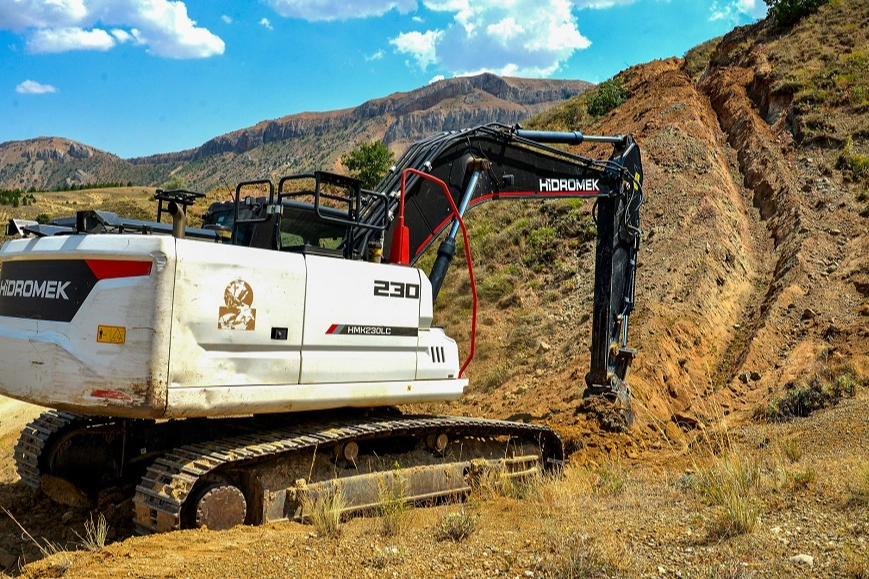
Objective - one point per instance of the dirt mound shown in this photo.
(750, 276)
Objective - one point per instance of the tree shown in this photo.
(368, 162)
(608, 95)
(176, 181)
(787, 12)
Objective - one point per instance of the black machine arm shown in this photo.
(494, 162)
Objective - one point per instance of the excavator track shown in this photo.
(32, 441)
(170, 480)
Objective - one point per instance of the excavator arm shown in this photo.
(494, 162)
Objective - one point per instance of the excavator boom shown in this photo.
(495, 162)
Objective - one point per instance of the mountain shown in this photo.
(295, 143)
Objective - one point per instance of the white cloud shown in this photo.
(737, 11)
(376, 56)
(421, 46)
(122, 36)
(33, 87)
(62, 25)
(601, 4)
(226, 19)
(436, 78)
(508, 37)
(339, 9)
(266, 23)
(65, 39)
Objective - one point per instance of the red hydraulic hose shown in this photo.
(455, 211)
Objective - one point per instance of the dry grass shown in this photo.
(573, 556)
(393, 506)
(61, 558)
(323, 510)
(791, 448)
(857, 564)
(860, 484)
(95, 533)
(457, 525)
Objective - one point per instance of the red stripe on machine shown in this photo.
(111, 395)
(115, 268)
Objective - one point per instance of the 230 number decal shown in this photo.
(396, 289)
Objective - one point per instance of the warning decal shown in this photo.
(111, 334)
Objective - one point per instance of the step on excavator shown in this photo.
(233, 373)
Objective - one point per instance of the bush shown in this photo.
(609, 94)
(787, 12)
(457, 525)
(811, 394)
(854, 166)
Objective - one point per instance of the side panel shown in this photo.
(227, 401)
(84, 322)
(237, 317)
(361, 322)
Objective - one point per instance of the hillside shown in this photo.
(752, 310)
(295, 143)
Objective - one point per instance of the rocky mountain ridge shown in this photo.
(298, 142)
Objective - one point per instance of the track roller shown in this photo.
(437, 442)
(347, 451)
(221, 506)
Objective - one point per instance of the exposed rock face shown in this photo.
(79, 151)
(441, 106)
(50, 155)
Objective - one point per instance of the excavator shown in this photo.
(232, 373)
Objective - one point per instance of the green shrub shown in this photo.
(811, 394)
(608, 95)
(541, 246)
(855, 167)
(787, 12)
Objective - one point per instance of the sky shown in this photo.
(139, 77)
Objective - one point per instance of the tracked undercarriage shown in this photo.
(263, 468)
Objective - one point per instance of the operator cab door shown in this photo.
(361, 322)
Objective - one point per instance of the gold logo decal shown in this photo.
(238, 313)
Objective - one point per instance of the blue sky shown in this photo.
(138, 77)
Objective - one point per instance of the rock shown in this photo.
(673, 432)
(808, 314)
(67, 517)
(65, 493)
(801, 559)
(755, 376)
(7, 560)
(680, 418)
